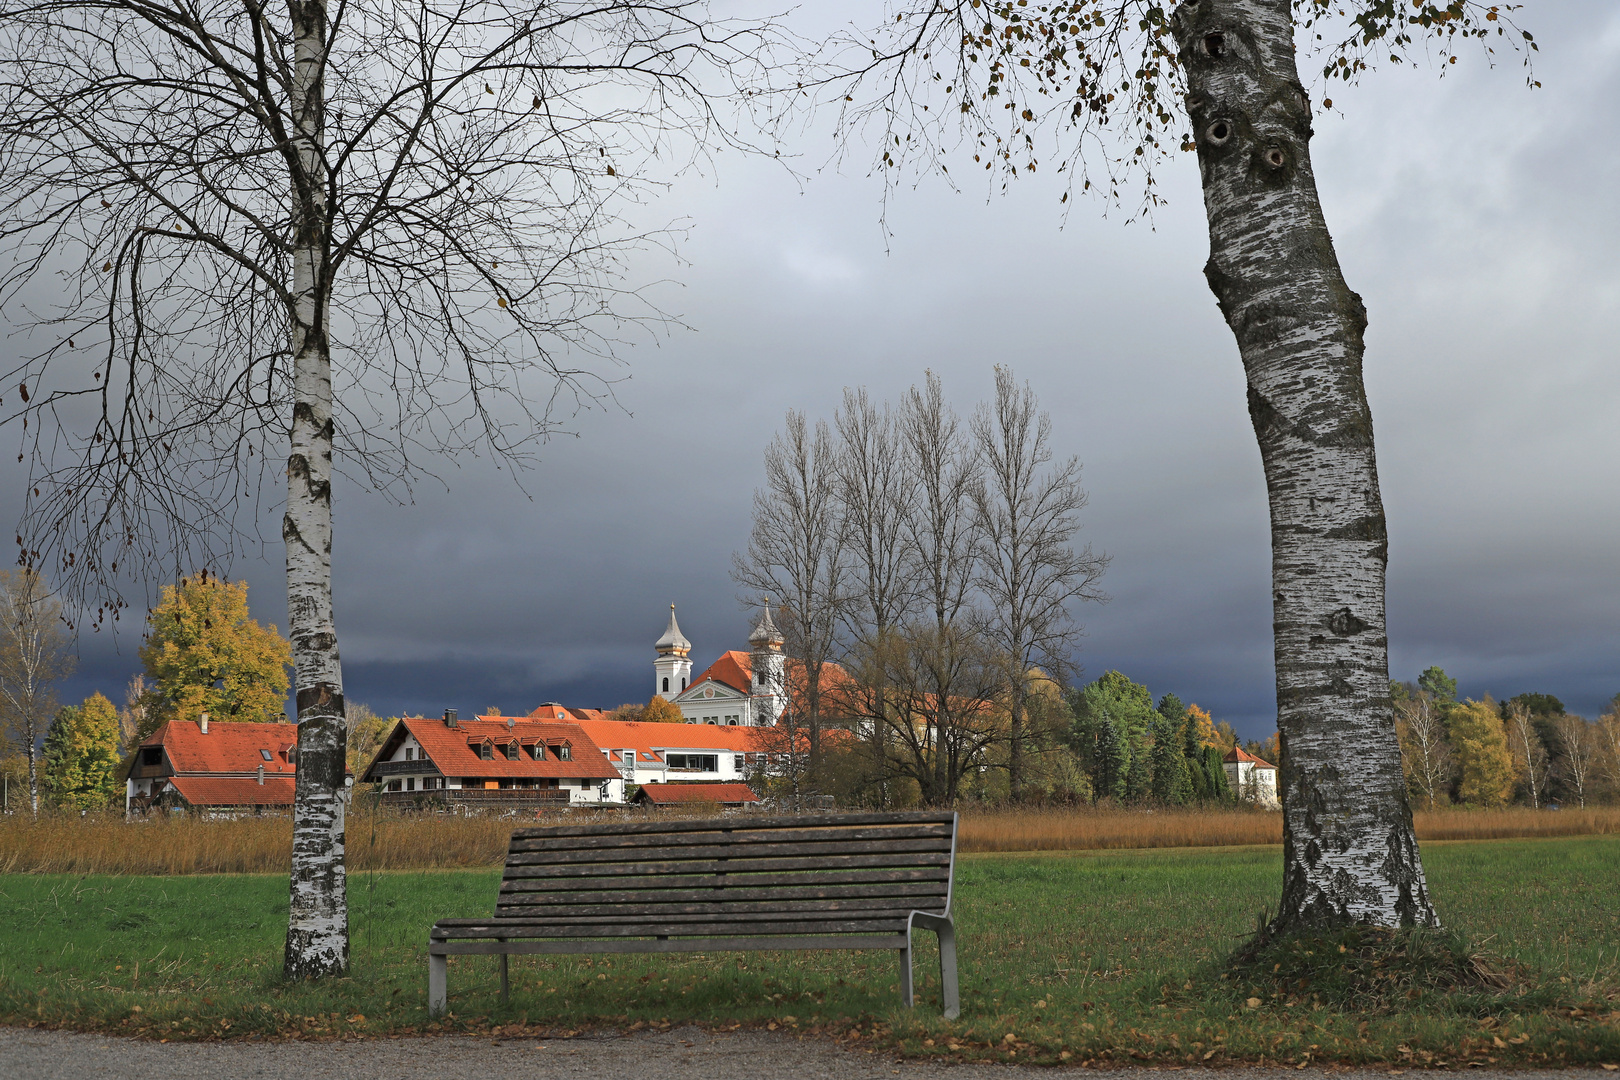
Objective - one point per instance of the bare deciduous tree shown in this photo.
(33, 657)
(365, 229)
(1425, 752)
(876, 491)
(1030, 572)
(795, 560)
(1579, 747)
(1529, 754)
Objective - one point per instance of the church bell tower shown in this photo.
(769, 689)
(673, 667)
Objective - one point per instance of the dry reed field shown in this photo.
(379, 840)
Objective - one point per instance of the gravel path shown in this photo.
(683, 1054)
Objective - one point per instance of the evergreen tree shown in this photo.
(1219, 786)
(81, 755)
(1171, 782)
(1111, 758)
(1441, 687)
(1139, 779)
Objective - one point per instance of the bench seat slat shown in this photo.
(741, 836)
(740, 866)
(545, 946)
(641, 905)
(711, 913)
(806, 821)
(537, 882)
(495, 928)
(741, 853)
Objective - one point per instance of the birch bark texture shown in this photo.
(1350, 854)
(318, 920)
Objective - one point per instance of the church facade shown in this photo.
(740, 689)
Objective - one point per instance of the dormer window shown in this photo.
(511, 751)
(565, 752)
(538, 750)
(486, 750)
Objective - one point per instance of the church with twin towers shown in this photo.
(740, 689)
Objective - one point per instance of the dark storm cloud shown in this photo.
(1476, 218)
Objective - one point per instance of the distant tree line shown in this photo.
(1525, 750)
(203, 653)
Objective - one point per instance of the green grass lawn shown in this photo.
(1078, 956)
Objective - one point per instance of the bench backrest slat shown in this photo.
(856, 865)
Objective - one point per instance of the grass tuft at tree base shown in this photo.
(1374, 971)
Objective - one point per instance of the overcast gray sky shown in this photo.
(1478, 220)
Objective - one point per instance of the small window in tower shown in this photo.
(666, 686)
(759, 677)
(683, 683)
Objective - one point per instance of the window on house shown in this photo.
(410, 783)
(265, 754)
(565, 752)
(511, 751)
(394, 785)
(152, 755)
(410, 755)
(487, 751)
(538, 751)
(700, 762)
(738, 762)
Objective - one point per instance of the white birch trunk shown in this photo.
(1350, 855)
(318, 922)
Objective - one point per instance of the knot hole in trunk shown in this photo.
(1215, 45)
(1219, 133)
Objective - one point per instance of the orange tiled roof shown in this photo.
(654, 739)
(736, 670)
(699, 793)
(1237, 753)
(454, 750)
(227, 748)
(235, 790)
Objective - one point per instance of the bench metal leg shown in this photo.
(438, 985)
(506, 981)
(905, 973)
(947, 960)
(947, 971)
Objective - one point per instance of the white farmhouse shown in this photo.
(1251, 778)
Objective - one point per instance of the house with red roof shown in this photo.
(542, 760)
(197, 765)
(678, 753)
(730, 796)
(1251, 778)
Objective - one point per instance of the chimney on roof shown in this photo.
(261, 776)
(202, 722)
(450, 718)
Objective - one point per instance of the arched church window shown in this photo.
(666, 686)
(683, 683)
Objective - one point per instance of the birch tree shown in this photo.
(1579, 749)
(1117, 86)
(255, 245)
(1425, 753)
(1529, 753)
(33, 658)
(1030, 572)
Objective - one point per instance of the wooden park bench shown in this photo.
(830, 881)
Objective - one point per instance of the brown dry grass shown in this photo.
(384, 841)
